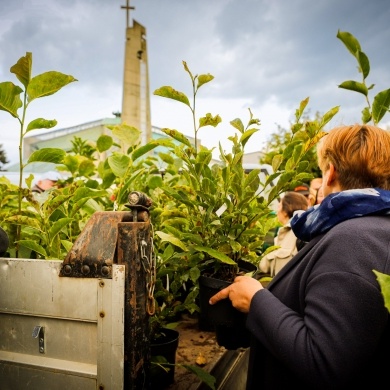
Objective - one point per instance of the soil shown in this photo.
(197, 348)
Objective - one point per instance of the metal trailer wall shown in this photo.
(82, 323)
(73, 346)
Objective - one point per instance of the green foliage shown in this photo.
(215, 214)
(197, 82)
(36, 87)
(381, 103)
(384, 282)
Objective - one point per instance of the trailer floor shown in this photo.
(197, 348)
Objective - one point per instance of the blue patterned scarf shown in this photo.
(339, 207)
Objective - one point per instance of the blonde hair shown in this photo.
(360, 154)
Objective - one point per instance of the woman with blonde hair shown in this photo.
(321, 323)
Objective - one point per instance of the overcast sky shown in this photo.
(266, 55)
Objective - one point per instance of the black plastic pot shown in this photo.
(227, 322)
(164, 346)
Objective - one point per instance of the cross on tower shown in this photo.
(127, 8)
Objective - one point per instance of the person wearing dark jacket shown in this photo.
(322, 323)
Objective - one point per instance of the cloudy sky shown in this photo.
(266, 55)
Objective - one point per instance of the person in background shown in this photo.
(322, 322)
(304, 189)
(319, 196)
(48, 180)
(272, 262)
(316, 194)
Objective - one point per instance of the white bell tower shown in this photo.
(136, 98)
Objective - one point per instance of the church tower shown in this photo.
(136, 98)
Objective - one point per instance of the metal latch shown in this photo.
(39, 333)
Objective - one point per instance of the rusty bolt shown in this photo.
(101, 314)
(139, 198)
(105, 270)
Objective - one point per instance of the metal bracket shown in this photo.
(38, 333)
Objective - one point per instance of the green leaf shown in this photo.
(41, 123)
(203, 79)
(171, 239)
(22, 69)
(142, 150)
(47, 84)
(10, 98)
(311, 128)
(155, 182)
(59, 200)
(236, 246)
(25, 221)
(57, 227)
(187, 69)
(247, 134)
(170, 93)
(203, 375)
(237, 124)
(32, 245)
(87, 193)
(350, 42)
(276, 161)
(167, 158)
(104, 142)
(119, 164)
(364, 63)
(301, 109)
(380, 105)
(67, 245)
(354, 86)
(86, 167)
(127, 134)
(252, 180)
(215, 254)
(384, 282)
(52, 155)
(209, 120)
(296, 127)
(329, 115)
(71, 163)
(177, 136)
(366, 115)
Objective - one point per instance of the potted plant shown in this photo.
(219, 215)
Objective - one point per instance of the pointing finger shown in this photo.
(223, 294)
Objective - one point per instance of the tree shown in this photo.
(3, 158)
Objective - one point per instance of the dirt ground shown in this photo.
(197, 348)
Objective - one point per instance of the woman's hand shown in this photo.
(240, 292)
